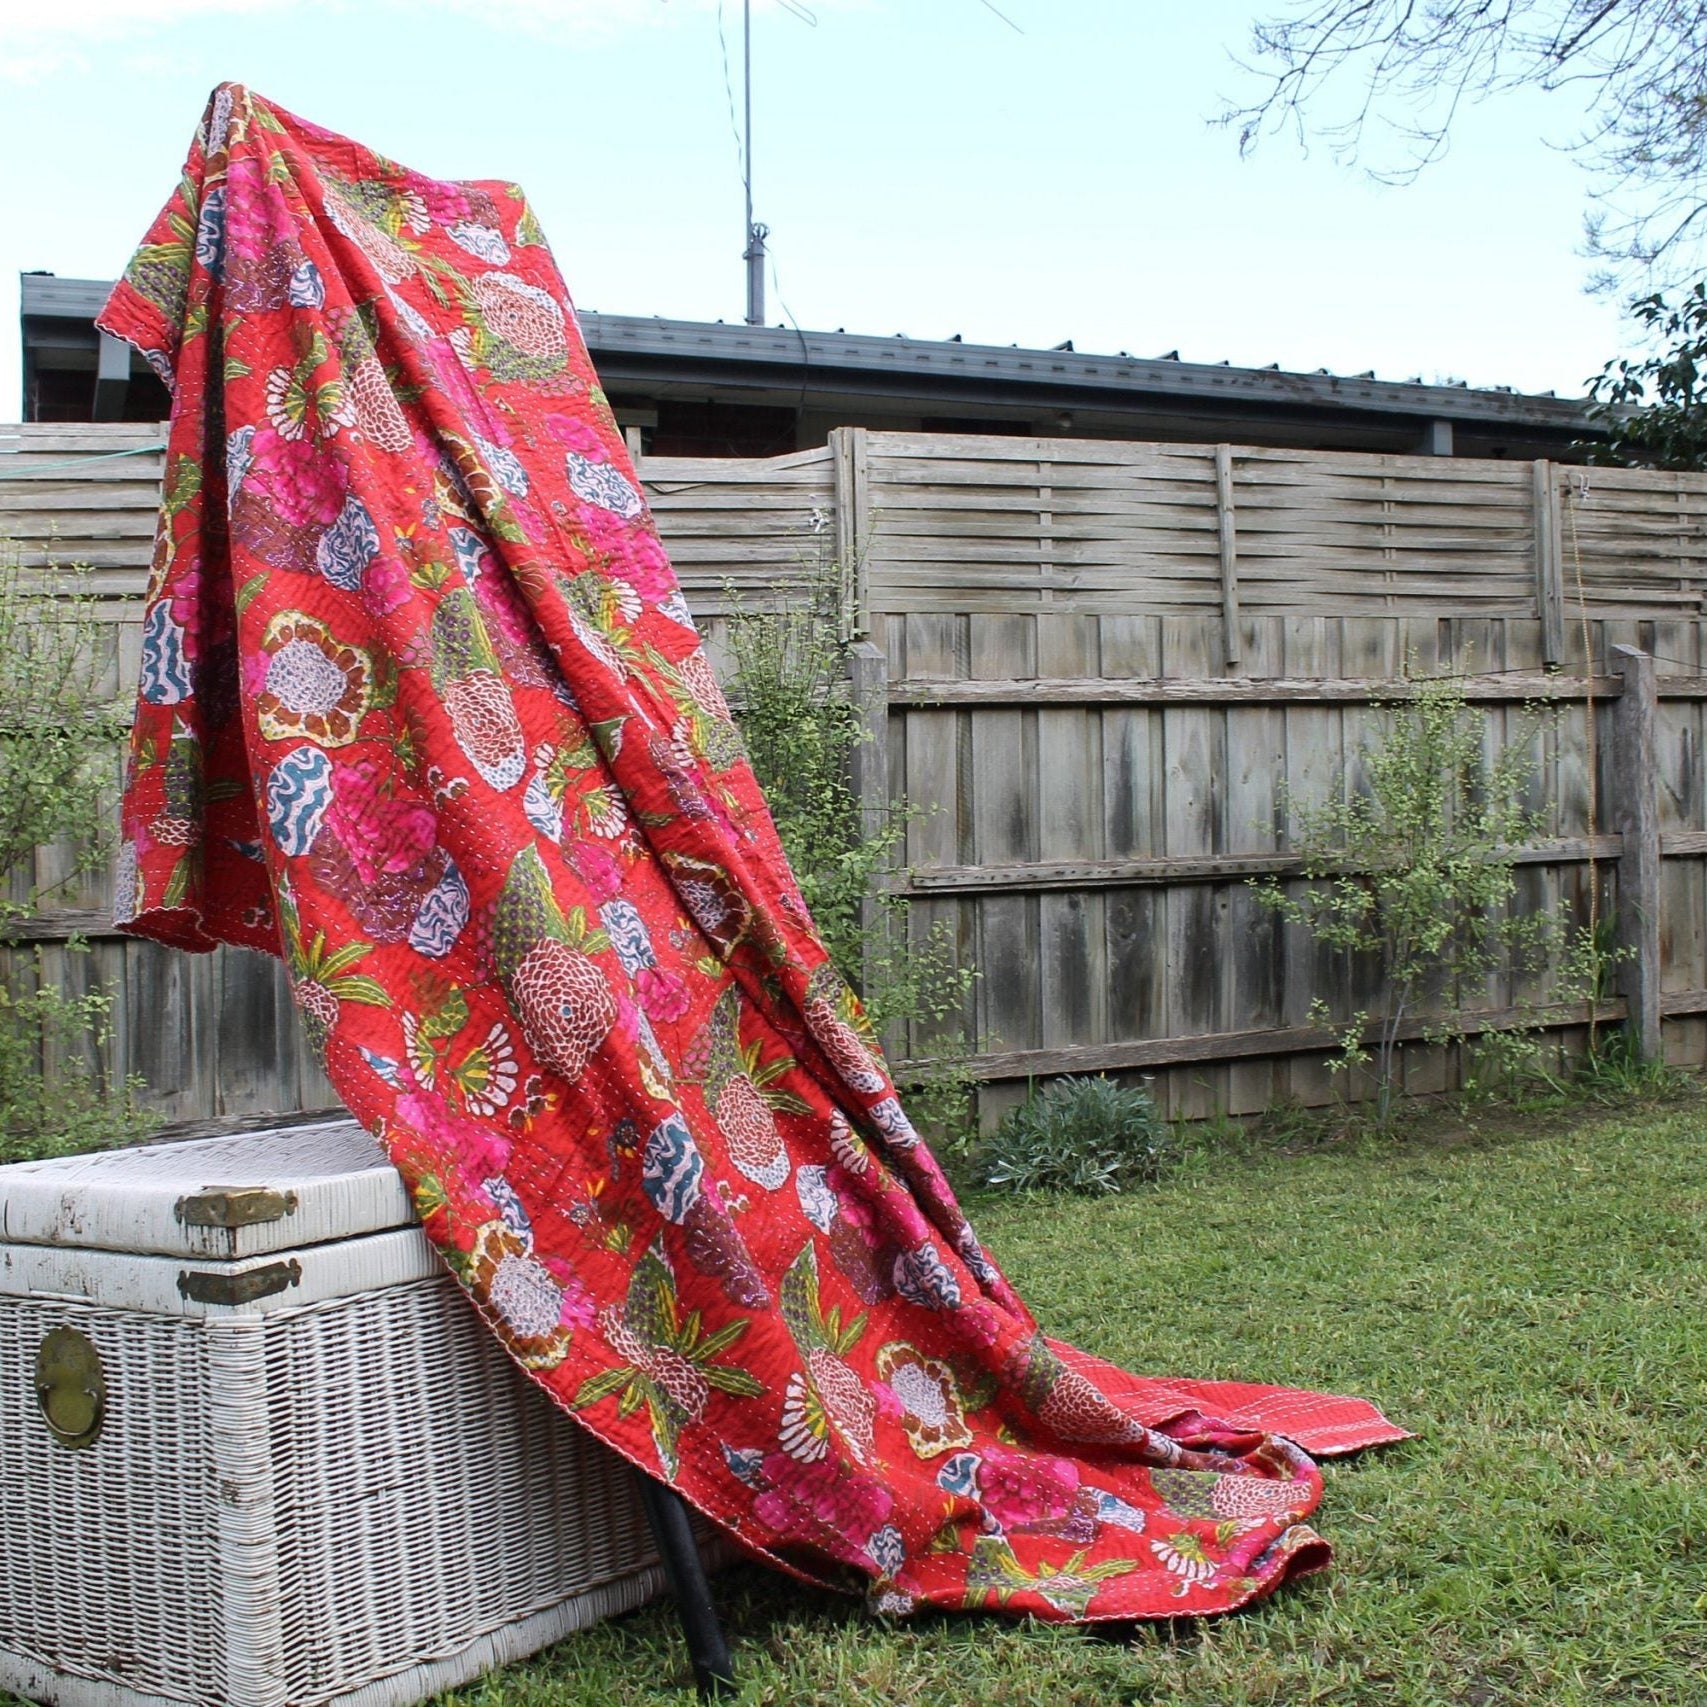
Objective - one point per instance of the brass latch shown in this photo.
(241, 1288)
(71, 1387)
(235, 1206)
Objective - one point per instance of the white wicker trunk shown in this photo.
(337, 1487)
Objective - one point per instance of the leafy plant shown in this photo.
(1655, 410)
(1613, 1071)
(1418, 872)
(1086, 1135)
(792, 700)
(57, 738)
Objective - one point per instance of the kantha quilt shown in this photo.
(422, 710)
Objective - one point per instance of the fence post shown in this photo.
(1229, 557)
(851, 472)
(1549, 570)
(868, 688)
(1637, 818)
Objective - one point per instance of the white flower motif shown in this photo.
(124, 884)
(804, 1435)
(418, 1051)
(488, 1075)
(606, 815)
(1184, 1556)
(481, 241)
(526, 1296)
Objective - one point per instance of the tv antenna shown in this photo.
(756, 233)
(756, 254)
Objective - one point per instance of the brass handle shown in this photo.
(71, 1387)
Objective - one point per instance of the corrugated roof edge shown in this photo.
(783, 347)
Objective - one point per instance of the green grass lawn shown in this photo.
(1531, 1300)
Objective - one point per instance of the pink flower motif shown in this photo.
(474, 1150)
(255, 666)
(632, 550)
(824, 1503)
(502, 602)
(383, 835)
(579, 1310)
(445, 203)
(256, 212)
(599, 869)
(385, 586)
(296, 477)
(979, 1323)
(907, 1221)
(856, 1208)
(200, 611)
(1018, 1487)
(574, 433)
(664, 995)
(453, 377)
(186, 597)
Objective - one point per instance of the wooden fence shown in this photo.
(1104, 669)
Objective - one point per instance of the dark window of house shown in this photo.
(721, 429)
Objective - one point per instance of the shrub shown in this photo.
(58, 733)
(1418, 873)
(1087, 1135)
(791, 700)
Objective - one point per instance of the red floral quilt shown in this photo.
(422, 710)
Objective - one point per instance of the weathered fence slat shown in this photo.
(868, 688)
(1639, 861)
(850, 455)
(1138, 1055)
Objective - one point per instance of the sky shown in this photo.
(925, 167)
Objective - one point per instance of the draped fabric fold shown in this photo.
(422, 711)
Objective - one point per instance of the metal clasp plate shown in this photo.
(234, 1206)
(241, 1288)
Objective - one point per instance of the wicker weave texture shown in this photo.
(361, 1497)
(426, 1494)
(112, 1565)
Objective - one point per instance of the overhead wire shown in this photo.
(990, 6)
(805, 352)
(729, 92)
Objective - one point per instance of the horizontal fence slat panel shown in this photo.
(1136, 1056)
(1096, 798)
(1518, 687)
(1221, 868)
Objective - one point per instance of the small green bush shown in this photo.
(59, 732)
(1086, 1135)
(801, 730)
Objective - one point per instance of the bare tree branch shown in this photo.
(1384, 81)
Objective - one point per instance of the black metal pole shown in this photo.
(667, 1512)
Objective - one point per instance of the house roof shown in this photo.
(622, 341)
(847, 372)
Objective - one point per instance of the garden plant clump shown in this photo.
(790, 688)
(1087, 1135)
(1415, 876)
(59, 738)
